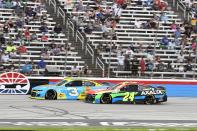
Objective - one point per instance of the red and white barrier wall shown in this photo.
(179, 88)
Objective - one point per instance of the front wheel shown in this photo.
(150, 100)
(106, 99)
(51, 95)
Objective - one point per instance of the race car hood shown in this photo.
(44, 87)
(101, 91)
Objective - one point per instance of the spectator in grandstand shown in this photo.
(149, 49)
(140, 48)
(5, 57)
(193, 45)
(10, 23)
(22, 49)
(11, 66)
(152, 24)
(189, 58)
(129, 52)
(55, 51)
(104, 30)
(127, 63)
(164, 17)
(29, 12)
(2, 38)
(188, 67)
(75, 71)
(19, 36)
(174, 26)
(86, 70)
(41, 64)
(43, 28)
(8, 4)
(89, 28)
(150, 56)
(156, 4)
(134, 67)
(169, 67)
(188, 30)
(139, 3)
(58, 29)
(19, 23)
(6, 29)
(177, 33)
(45, 54)
(163, 5)
(164, 42)
(138, 24)
(34, 36)
(160, 66)
(13, 54)
(149, 65)
(79, 6)
(27, 34)
(142, 66)
(120, 59)
(27, 68)
(171, 45)
(10, 47)
(44, 38)
(180, 58)
(43, 17)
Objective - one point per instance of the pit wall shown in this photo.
(175, 88)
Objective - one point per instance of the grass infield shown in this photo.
(93, 129)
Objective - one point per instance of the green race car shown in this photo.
(128, 92)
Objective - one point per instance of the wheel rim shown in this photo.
(150, 100)
(50, 95)
(106, 99)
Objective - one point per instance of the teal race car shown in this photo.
(68, 88)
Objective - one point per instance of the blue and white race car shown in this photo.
(68, 88)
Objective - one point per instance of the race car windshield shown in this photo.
(113, 87)
(61, 83)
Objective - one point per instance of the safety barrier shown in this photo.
(175, 88)
(90, 51)
(61, 13)
(80, 37)
(101, 66)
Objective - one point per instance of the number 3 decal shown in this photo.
(72, 91)
(129, 96)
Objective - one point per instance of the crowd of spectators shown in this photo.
(103, 17)
(9, 48)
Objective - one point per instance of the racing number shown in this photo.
(72, 91)
(129, 96)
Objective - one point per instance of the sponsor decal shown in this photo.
(151, 92)
(14, 83)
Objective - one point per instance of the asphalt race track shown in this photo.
(17, 110)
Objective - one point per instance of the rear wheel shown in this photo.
(106, 99)
(150, 100)
(51, 95)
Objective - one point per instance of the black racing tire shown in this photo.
(150, 99)
(51, 95)
(106, 99)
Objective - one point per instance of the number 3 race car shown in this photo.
(68, 88)
(127, 92)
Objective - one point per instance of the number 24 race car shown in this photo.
(128, 92)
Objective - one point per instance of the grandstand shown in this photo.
(134, 39)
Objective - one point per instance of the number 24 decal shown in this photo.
(129, 96)
(72, 91)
